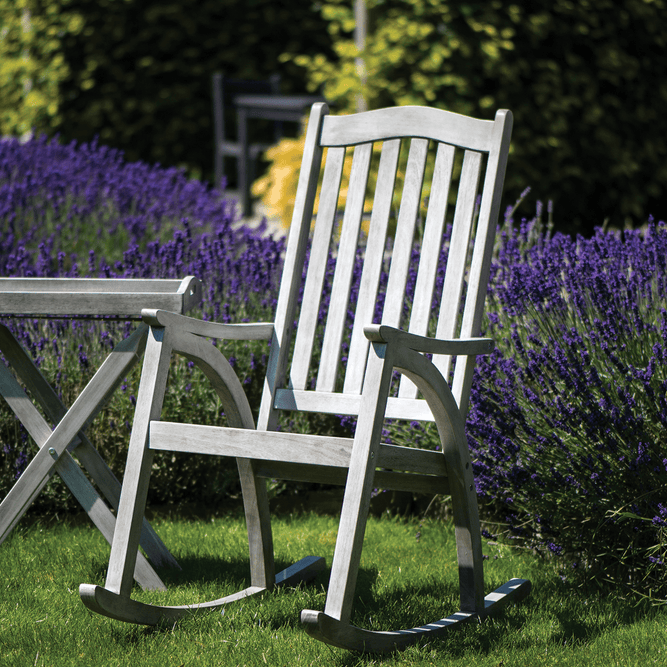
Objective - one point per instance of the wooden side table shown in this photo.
(80, 298)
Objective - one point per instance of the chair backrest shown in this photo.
(225, 89)
(349, 270)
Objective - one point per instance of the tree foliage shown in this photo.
(585, 81)
(32, 65)
(137, 73)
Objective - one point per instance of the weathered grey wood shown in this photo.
(483, 250)
(24, 368)
(293, 266)
(348, 404)
(350, 637)
(352, 526)
(376, 353)
(114, 600)
(102, 517)
(448, 320)
(405, 232)
(283, 446)
(380, 333)
(66, 286)
(319, 253)
(420, 314)
(95, 297)
(88, 456)
(384, 479)
(137, 471)
(370, 276)
(408, 121)
(237, 410)
(27, 488)
(78, 297)
(18, 500)
(241, 331)
(121, 608)
(258, 522)
(451, 428)
(347, 251)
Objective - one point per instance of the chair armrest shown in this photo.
(380, 333)
(241, 331)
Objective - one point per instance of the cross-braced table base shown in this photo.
(57, 445)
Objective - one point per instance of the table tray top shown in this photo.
(94, 297)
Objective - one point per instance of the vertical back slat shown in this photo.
(374, 256)
(481, 259)
(293, 267)
(317, 264)
(452, 290)
(430, 252)
(405, 232)
(345, 261)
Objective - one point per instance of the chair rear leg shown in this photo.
(258, 521)
(468, 540)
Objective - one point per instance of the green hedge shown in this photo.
(585, 80)
(139, 71)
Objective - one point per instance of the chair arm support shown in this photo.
(380, 333)
(241, 331)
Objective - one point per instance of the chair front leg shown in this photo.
(356, 500)
(139, 460)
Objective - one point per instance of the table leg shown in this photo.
(53, 455)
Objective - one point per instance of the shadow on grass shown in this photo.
(569, 615)
(574, 618)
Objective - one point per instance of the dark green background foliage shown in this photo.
(141, 69)
(585, 80)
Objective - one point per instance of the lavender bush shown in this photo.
(568, 415)
(82, 210)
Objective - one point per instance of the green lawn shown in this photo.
(403, 581)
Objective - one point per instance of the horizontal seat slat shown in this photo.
(348, 404)
(276, 446)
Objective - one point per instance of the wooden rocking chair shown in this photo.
(374, 352)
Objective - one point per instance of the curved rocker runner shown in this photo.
(122, 608)
(331, 631)
(468, 166)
